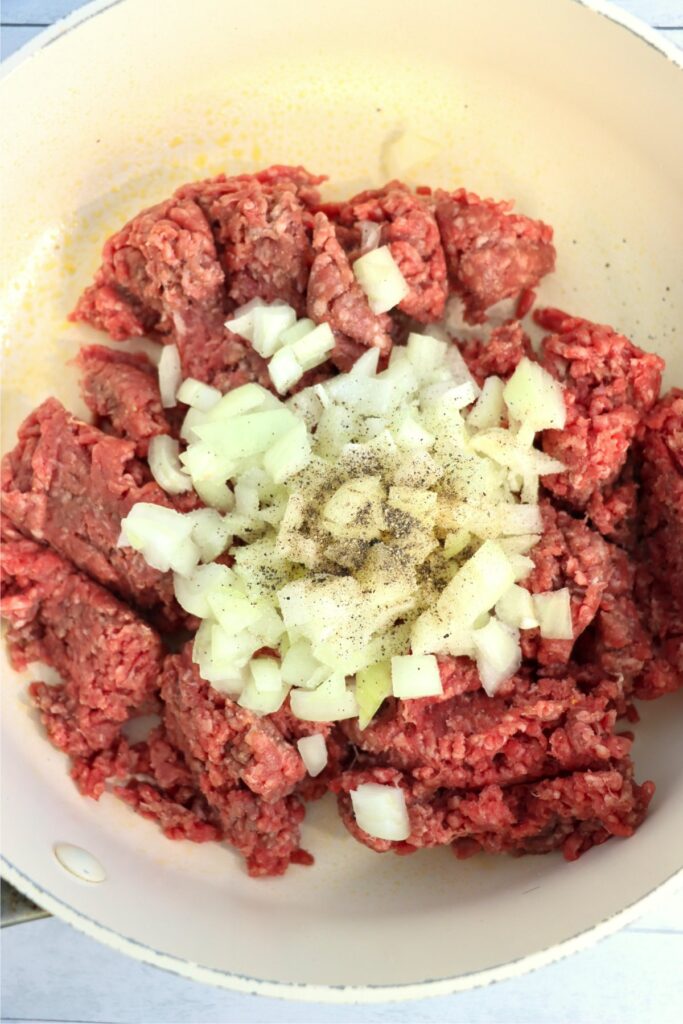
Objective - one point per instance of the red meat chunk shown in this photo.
(529, 730)
(122, 391)
(609, 385)
(242, 765)
(229, 743)
(68, 484)
(164, 274)
(491, 253)
(571, 813)
(660, 573)
(569, 554)
(498, 354)
(335, 297)
(410, 230)
(110, 659)
(261, 226)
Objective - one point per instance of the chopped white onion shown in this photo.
(313, 750)
(330, 702)
(197, 395)
(489, 409)
(379, 276)
(297, 330)
(313, 348)
(215, 493)
(415, 675)
(192, 591)
(162, 535)
(170, 375)
(289, 454)
(242, 321)
(535, 398)
(209, 532)
(165, 466)
(381, 811)
(269, 322)
(554, 612)
(516, 608)
(498, 654)
(284, 369)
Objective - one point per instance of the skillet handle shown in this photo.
(16, 908)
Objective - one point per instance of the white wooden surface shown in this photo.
(52, 973)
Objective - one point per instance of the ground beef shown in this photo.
(499, 353)
(109, 659)
(609, 384)
(491, 254)
(569, 554)
(335, 297)
(262, 230)
(68, 484)
(121, 389)
(571, 812)
(229, 743)
(659, 589)
(410, 230)
(531, 729)
(613, 509)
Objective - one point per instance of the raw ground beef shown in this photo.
(544, 764)
(335, 297)
(409, 228)
(491, 253)
(121, 389)
(609, 384)
(69, 485)
(108, 658)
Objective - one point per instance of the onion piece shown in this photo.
(269, 324)
(165, 466)
(297, 330)
(266, 674)
(170, 375)
(554, 612)
(197, 395)
(379, 276)
(381, 811)
(242, 321)
(192, 591)
(534, 398)
(313, 750)
(415, 675)
(477, 585)
(370, 235)
(215, 493)
(489, 409)
(162, 535)
(373, 685)
(209, 533)
(330, 702)
(516, 608)
(289, 454)
(498, 654)
(301, 668)
(284, 369)
(262, 702)
(314, 347)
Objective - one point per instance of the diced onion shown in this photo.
(266, 675)
(165, 465)
(381, 811)
(197, 395)
(242, 321)
(516, 608)
(489, 409)
(262, 702)
(313, 750)
(170, 375)
(209, 532)
(379, 276)
(162, 535)
(415, 675)
(289, 454)
(269, 322)
(554, 612)
(192, 591)
(297, 330)
(535, 398)
(284, 369)
(373, 685)
(215, 493)
(313, 348)
(330, 702)
(498, 654)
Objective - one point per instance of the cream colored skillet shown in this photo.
(571, 108)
